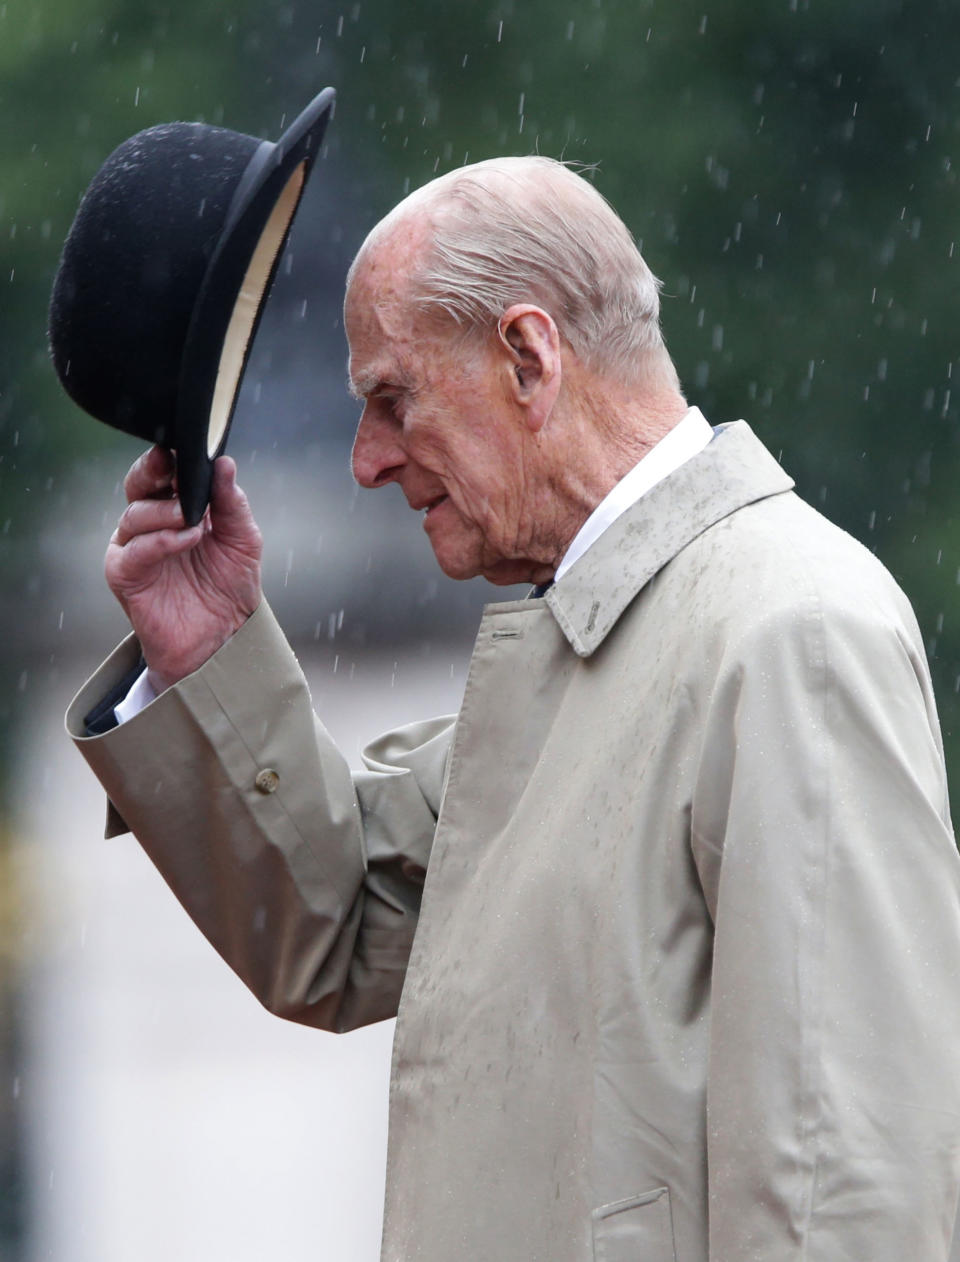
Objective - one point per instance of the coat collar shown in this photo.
(734, 470)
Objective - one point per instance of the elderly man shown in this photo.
(670, 912)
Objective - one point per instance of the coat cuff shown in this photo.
(90, 721)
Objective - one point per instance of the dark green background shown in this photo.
(789, 168)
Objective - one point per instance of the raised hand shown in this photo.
(186, 590)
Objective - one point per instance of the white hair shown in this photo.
(531, 230)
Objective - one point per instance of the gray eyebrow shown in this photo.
(358, 386)
(367, 383)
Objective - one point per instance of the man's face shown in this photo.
(437, 420)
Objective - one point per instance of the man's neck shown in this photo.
(609, 434)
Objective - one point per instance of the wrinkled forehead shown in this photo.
(380, 300)
(377, 306)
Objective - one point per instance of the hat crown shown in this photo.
(132, 267)
(164, 276)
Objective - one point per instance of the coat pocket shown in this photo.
(638, 1229)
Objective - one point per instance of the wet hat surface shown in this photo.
(164, 276)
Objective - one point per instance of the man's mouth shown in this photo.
(428, 508)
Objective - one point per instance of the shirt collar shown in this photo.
(688, 437)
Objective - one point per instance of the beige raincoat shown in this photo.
(683, 984)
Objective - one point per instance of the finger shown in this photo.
(151, 475)
(230, 515)
(141, 554)
(224, 487)
(145, 516)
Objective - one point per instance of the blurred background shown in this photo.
(789, 168)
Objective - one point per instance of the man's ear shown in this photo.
(531, 341)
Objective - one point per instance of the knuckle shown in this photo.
(127, 517)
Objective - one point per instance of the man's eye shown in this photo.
(391, 406)
(395, 405)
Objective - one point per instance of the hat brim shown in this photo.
(233, 295)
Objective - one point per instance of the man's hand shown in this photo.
(185, 590)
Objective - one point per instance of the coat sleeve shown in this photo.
(822, 837)
(306, 879)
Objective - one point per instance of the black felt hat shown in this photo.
(163, 278)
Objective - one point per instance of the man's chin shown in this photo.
(505, 572)
(510, 573)
(502, 573)
(457, 568)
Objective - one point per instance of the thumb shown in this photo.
(230, 514)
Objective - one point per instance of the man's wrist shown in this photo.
(157, 682)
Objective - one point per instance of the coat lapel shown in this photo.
(733, 471)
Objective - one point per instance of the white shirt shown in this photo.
(138, 698)
(685, 440)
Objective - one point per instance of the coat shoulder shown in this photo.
(773, 558)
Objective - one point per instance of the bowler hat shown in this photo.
(163, 278)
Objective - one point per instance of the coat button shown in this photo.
(267, 780)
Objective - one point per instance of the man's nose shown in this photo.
(377, 457)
